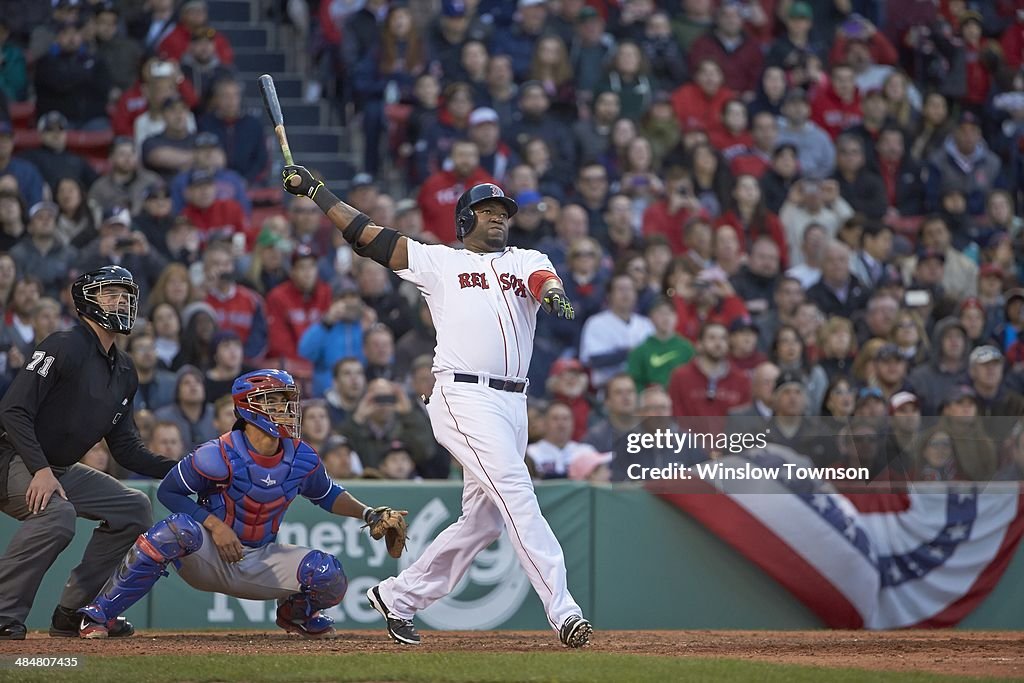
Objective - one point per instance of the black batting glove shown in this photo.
(556, 303)
(299, 181)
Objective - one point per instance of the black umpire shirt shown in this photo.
(69, 395)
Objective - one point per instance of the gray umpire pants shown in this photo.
(123, 514)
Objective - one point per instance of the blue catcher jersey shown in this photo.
(251, 492)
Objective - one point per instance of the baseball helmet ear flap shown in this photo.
(465, 222)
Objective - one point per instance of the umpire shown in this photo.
(76, 389)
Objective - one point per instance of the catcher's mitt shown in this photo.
(388, 524)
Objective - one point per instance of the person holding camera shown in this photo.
(384, 414)
(118, 244)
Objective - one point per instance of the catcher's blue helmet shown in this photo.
(253, 393)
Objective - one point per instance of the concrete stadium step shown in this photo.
(314, 139)
(229, 10)
(260, 59)
(243, 36)
(296, 112)
(289, 85)
(337, 170)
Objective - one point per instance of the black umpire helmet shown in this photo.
(87, 288)
(465, 219)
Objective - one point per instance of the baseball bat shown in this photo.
(273, 107)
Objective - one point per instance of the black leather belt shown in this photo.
(499, 384)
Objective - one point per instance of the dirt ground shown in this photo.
(966, 653)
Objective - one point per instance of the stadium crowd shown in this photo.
(794, 215)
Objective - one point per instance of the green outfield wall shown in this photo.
(634, 562)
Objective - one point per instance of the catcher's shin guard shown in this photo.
(146, 561)
(323, 584)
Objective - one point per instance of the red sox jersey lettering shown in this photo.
(473, 280)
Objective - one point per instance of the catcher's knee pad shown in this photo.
(322, 579)
(146, 561)
(172, 538)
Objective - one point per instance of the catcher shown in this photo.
(225, 543)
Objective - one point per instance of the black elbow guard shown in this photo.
(380, 247)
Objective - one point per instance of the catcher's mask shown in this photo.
(465, 218)
(269, 400)
(109, 297)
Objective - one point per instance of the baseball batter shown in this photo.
(483, 300)
(224, 541)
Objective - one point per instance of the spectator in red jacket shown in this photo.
(756, 158)
(215, 218)
(669, 215)
(708, 386)
(1012, 43)
(441, 191)
(192, 16)
(836, 106)
(699, 104)
(237, 308)
(706, 298)
(729, 45)
(732, 138)
(751, 217)
(296, 304)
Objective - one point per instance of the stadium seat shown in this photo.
(92, 144)
(26, 139)
(266, 196)
(23, 114)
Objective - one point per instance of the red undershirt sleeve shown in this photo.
(537, 281)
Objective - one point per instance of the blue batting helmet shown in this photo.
(269, 400)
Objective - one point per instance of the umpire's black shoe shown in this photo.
(67, 623)
(401, 630)
(13, 630)
(575, 632)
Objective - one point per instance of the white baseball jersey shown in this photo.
(481, 305)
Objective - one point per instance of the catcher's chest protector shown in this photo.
(260, 489)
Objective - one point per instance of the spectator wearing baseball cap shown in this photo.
(117, 243)
(295, 304)
(124, 183)
(215, 218)
(974, 318)
(792, 49)
(568, 382)
(193, 16)
(201, 65)
(495, 156)
(890, 370)
(52, 158)
(987, 372)
(169, 151)
(551, 455)
(591, 466)
(340, 461)
(964, 163)
(789, 425)
(905, 425)
(70, 79)
(208, 155)
(42, 253)
(30, 181)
